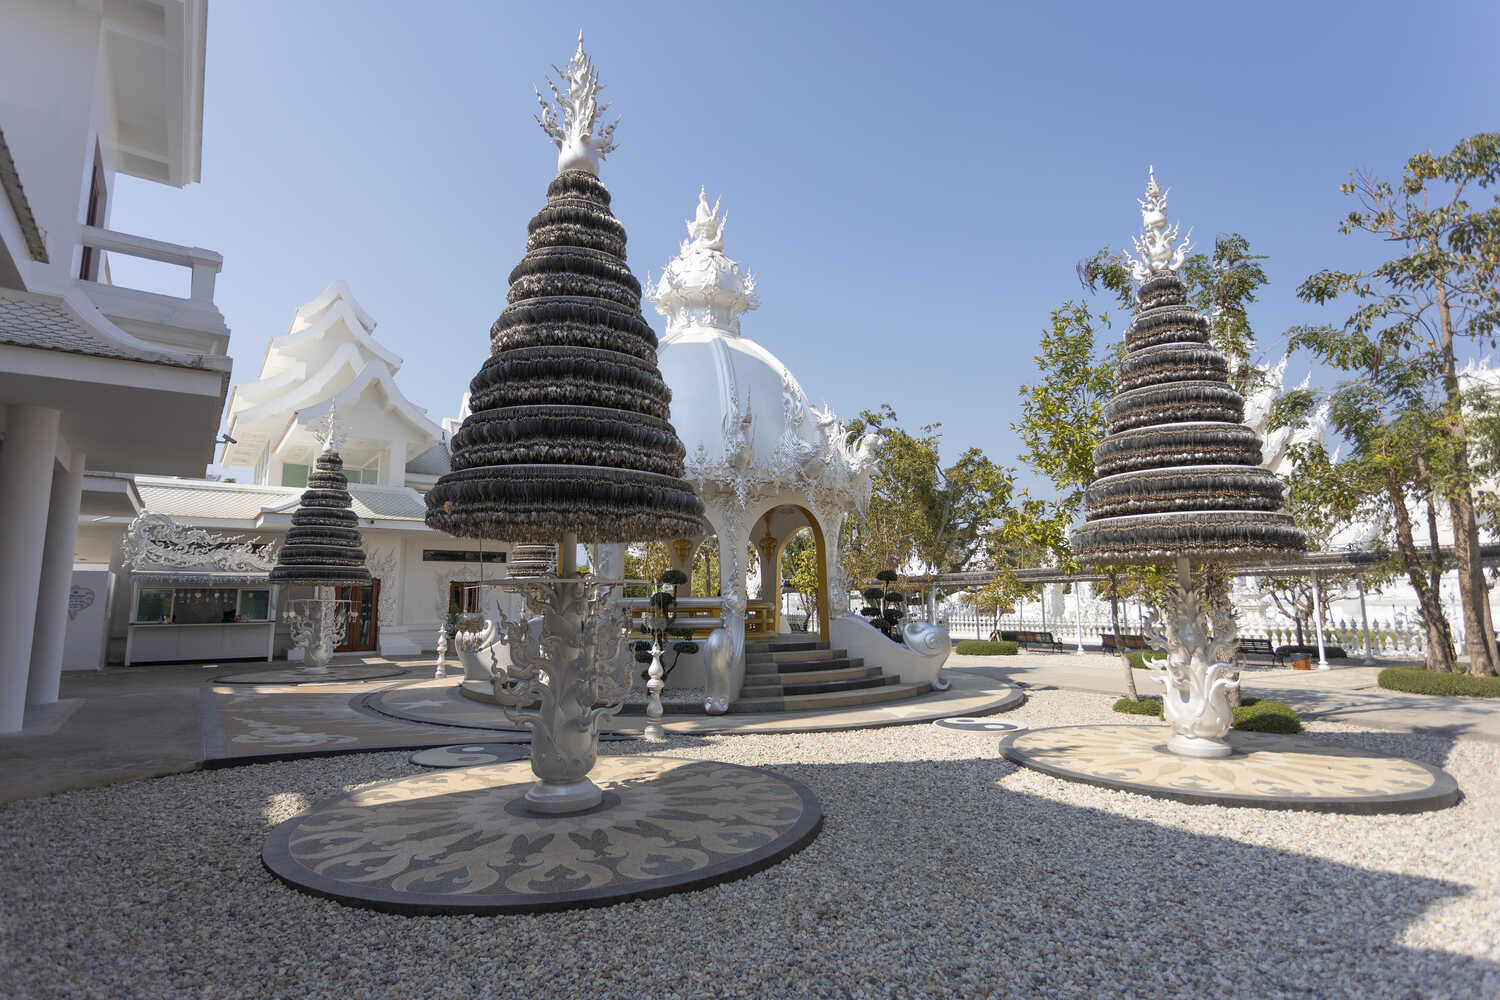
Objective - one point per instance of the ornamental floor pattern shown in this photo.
(462, 841)
(1267, 770)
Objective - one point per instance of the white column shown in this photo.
(1364, 623)
(1078, 614)
(395, 472)
(26, 461)
(57, 580)
(1318, 622)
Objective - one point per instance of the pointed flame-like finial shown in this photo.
(571, 123)
(328, 429)
(1155, 242)
(706, 228)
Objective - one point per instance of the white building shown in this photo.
(92, 375)
(203, 596)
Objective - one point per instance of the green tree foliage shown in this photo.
(922, 511)
(799, 565)
(1441, 288)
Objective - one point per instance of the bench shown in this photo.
(1024, 638)
(1259, 647)
(1128, 640)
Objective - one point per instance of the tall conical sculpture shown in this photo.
(568, 440)
(569, 429)
(323, 548)
(1179, 482)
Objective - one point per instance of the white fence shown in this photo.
(1387, 640)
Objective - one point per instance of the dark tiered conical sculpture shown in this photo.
(1178, 471)
(569, 429)
(323, 546)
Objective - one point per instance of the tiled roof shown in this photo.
(47, 322)
(203, 499)
(10, 183)
(432, 462)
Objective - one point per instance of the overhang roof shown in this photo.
(205, 500)
(52, 323)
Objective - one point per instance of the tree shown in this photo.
(799, 566)
(1442, 287)
(921, 511)
(645, 561)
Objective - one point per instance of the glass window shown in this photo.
(293, 475)
(370, 476)
(194, 606)
(153, 606)
(255, 605)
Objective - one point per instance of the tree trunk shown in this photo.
(1439, 637)
(1483, 655)
(1114, 615)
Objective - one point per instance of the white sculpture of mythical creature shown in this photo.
(157, 540)
(478, 651)
(716, 651)
(1199, 671)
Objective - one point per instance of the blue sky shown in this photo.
(912, 184)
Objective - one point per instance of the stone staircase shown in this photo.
(800, 675)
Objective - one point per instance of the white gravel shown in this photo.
(942, 871)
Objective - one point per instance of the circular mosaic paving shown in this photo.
(1266, 771)
(969, 724)
(335, 675)
(471, 754)
(462, 841)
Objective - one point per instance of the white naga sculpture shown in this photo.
(571, 124)
(1156, 239)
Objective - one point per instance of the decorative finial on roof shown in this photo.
(1156, 239)
(706, 229)
(571, 124)
(327, 428)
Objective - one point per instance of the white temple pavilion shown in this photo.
(186, 559)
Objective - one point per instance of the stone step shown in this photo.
(855, 671)
(818, 687)
(830, 699)
(842, 663)
(784, 645)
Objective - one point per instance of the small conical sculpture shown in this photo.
(1178, 481)
(323, 548)
(568, 440)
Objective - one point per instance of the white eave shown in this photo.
(154, 56)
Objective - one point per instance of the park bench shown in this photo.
(1127, 640)
(1259, 647)
(1025, 638)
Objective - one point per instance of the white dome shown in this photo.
(741, 414)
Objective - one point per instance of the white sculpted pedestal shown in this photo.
(1200, 669)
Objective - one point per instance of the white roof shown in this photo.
(202, 499)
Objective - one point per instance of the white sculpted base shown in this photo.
(1199, 672)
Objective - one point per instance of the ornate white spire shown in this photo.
(328, 429)
(1156, 239)
(571, 124)
(702, 287)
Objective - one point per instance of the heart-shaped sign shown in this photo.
(80, 599)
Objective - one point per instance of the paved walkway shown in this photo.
(1343, 694)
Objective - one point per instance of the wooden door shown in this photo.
(364, 610)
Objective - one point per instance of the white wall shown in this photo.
(52, 108)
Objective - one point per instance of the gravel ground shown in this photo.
(942, 871)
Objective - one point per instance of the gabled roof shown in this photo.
(314, 319)
(206, 500)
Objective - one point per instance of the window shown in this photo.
(293, 475)
(255, 605)
(369, 476)
(454, 555)
(204, 606)
(153, 606)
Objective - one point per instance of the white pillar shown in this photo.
(57, 581)
(1364, 623)
(1078, 614)
(1318, 622)
(26, 461)
(394, 474)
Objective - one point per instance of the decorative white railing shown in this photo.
(204, 264)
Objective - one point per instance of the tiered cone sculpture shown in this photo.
(323, 549)
(1178, 482)
(568, 441)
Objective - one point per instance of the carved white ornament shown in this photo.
(1155, 242)
(702, 287)
(80, 599)
(571, 124)
(155, 541)
(384, 566)
(1201, 645)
